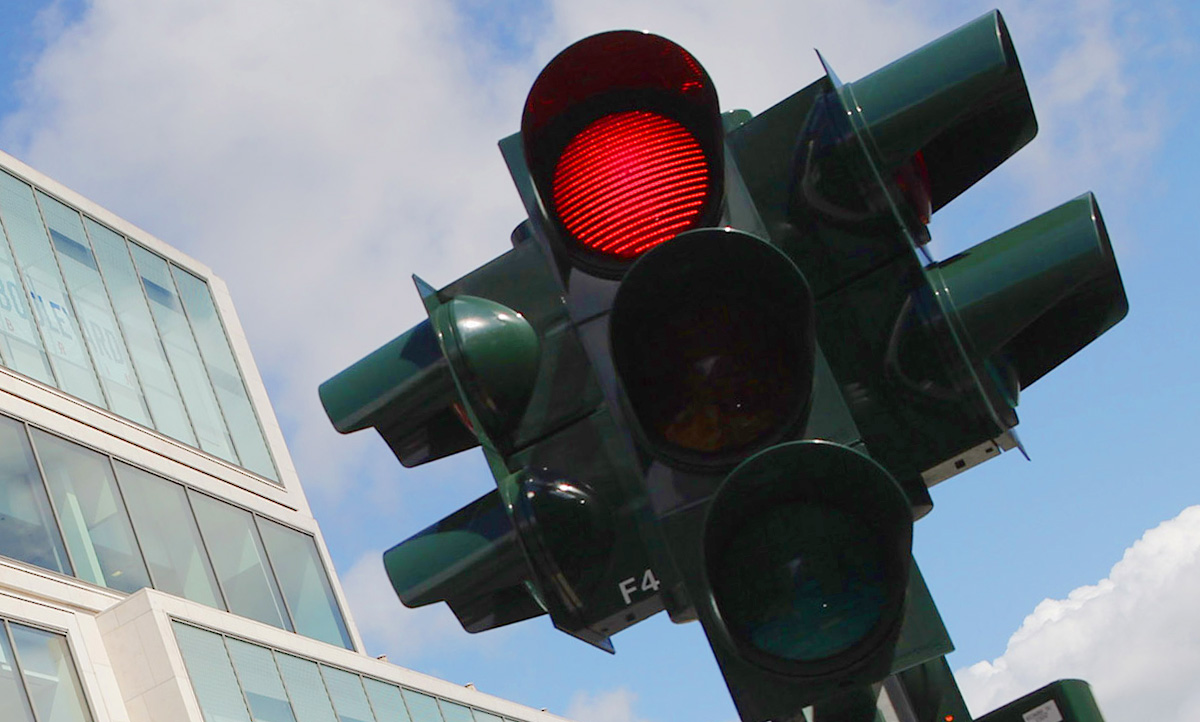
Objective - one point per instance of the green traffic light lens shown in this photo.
(803, 583)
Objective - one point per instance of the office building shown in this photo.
(158, 559)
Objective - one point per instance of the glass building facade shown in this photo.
(158, 558)
(87, 310)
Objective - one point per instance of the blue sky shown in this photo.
(316, 154)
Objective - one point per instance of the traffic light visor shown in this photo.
(623, 139)
(1036, 294)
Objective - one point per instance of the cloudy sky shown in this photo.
(317, 153)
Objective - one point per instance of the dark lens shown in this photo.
(803, 583)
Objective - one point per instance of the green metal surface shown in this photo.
(961, 101)
(1067, 700)
(923, 635)
(933, 694)
(1037, 294)
(493, 353)
(806, 553)
(409, 371)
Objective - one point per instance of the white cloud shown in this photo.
(614, 705)
(1134, 636)
(315, 154)
(1097, 124)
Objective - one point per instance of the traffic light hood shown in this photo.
(1035, 295)
(960, 102)
(493, 356)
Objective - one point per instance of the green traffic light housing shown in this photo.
(1035, 295)
(405, 390)
(473, 561)
(469, 369)
(960, 102)
(1067, 700)
(623, 141)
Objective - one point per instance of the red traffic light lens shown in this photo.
(624, 144)
(629, 181)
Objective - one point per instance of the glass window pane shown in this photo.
(454, 712)
(12, 693)
(305, 585)
(91, 514)
(27, 528)
(306, 688)
(20, 341)
(237, 557)
(51, 307)
(181, 349)
(346, 690)
(260, 682)
(207, 663)
(145, 348)
(49, 673)
(100, 331)
(169, 536)
(421, 707)
(481, 716)
(223, 370)
(386, 701)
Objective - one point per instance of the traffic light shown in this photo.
(718, 372)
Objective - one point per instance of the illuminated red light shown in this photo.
(630, 181)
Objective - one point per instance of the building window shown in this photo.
(304, 583)
(86, 290)
(27, 528)
(163, 521)
(309, 692)
(183, 355)
(104, 319)
(91, 514)
(145, 347)
(349, 697)
(37, 677)
(43, 283)
(256, 670)
(239, 561)
(305, 688)
(125, 528)
(232, 397)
